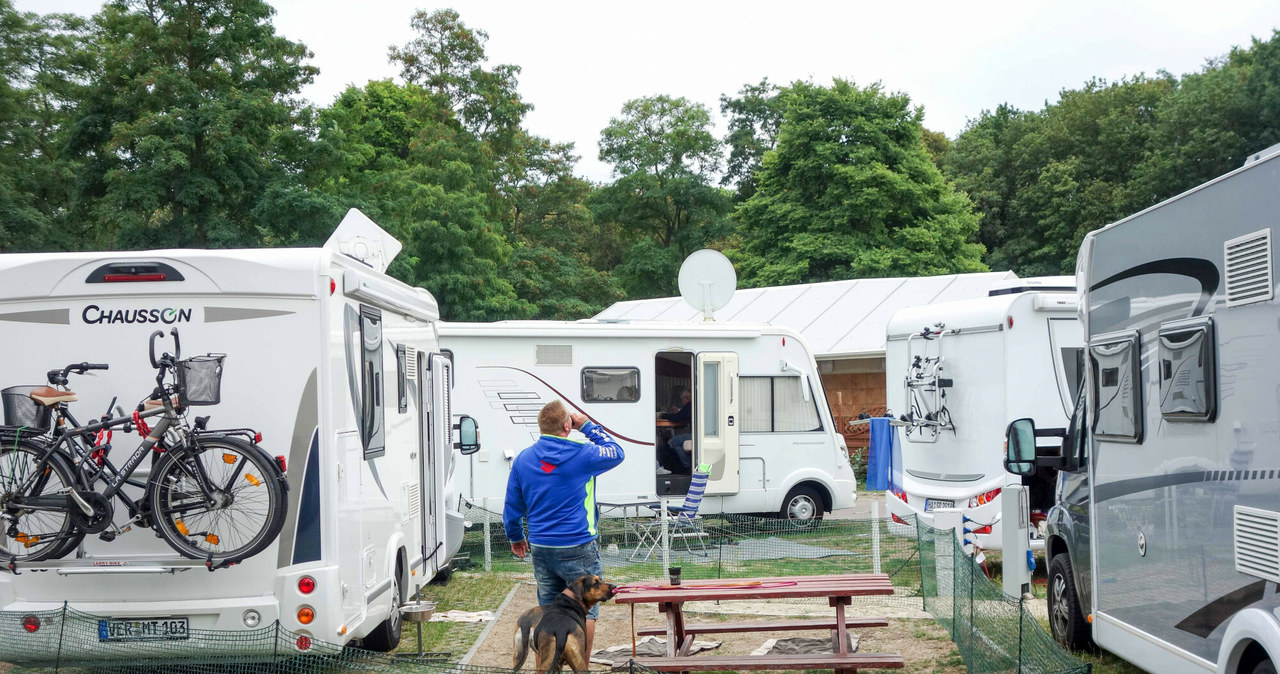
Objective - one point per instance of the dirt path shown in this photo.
(924, 645)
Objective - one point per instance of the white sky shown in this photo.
(582, 60)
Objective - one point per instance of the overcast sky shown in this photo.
(582, 60)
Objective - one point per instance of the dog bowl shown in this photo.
(417, 611)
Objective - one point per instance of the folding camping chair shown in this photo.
(682, 521)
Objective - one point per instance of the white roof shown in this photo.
(838, 319)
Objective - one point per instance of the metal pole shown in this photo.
(666, 540)
(875, 537)
(488, 546)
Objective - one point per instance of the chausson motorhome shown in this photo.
(335, 363)
(1183, 411)
(958, 373)
(759, 417)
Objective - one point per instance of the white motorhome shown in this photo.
(760, 419)
(1182, 420)
(335, 363)
(958, 373)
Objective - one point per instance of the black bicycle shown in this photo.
(211, 494)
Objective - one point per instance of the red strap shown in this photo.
(143, 429)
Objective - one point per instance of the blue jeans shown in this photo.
(555, 568)
(677, 448)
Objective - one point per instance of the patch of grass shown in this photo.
(463, 592)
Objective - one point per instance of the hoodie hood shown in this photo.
(556, 450)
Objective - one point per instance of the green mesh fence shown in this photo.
(931, 575)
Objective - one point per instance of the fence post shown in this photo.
(666, 540)
(488, 545)
(1022, 615)
(62, 628)
(875, 537)
(924, 598)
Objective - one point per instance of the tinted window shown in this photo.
(372, 413)
(610, 384)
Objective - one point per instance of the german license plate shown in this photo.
(142, 629)
(935, 503)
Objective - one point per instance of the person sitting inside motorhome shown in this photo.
(675, 447)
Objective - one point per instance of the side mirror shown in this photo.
(468, 435)
(1020, 447)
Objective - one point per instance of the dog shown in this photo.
(557, 632)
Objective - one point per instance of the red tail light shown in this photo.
(131, 278)
(902, 495)
(30, 624)
(304, 643)
(280, 462)
(984, 498)
(897, 519)
(257, 438)
(306, 585)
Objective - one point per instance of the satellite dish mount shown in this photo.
(707, 282)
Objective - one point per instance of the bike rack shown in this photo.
(106, 565)
(924, 383)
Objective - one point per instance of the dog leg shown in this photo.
(575, 653)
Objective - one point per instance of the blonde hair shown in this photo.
(552, 417)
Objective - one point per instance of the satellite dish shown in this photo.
(707, 281)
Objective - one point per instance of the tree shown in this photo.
(190, 121)
(754, 118)
(665, 157)
(45, 62)
(850, 191)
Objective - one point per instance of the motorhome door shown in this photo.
(439, 422)
(715, 420)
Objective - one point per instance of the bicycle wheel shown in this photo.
(245, 513)
(28, 535)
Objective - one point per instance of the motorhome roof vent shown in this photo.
(1257, 547)
(554, 354)
(1248, 261)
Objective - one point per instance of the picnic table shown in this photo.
(839, 590)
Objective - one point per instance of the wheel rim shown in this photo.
(801, 508)
(1059, 611)
(395, 617)
(243, 509)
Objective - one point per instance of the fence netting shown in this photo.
(931, 574)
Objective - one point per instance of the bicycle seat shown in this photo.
(157, 403)
(49, 396)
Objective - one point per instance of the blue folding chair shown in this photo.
(683, 522)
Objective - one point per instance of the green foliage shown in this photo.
(754, 118)
(850, 191)
(666, 157)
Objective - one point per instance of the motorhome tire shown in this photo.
(802, 507)
(386, 636)
(1066, 620)
(442, 576)
(1264, 667)
(18, 459)
(248, 483)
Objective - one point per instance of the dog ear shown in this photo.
(579, 587)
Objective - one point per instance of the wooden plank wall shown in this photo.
(851, 394)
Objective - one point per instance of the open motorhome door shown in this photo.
(715, 425)
(440, 422)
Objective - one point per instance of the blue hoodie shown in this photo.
(553, 484)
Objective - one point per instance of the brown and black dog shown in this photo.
(559, 629)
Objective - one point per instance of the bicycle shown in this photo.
(926, 387)
(211, 494)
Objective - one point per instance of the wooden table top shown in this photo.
(790, 587)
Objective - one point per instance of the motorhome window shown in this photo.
(777, 404)
(1117, 387)
(372, 412)
(1188, 371)
(402, 377)
(1073, 369)
(610, 384)
(710, 384)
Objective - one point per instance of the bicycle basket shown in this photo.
(200, 380)
(21, 410)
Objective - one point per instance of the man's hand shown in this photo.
(520, 549)
(577, 420)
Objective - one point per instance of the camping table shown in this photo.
(838, 589)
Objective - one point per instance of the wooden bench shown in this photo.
(711, 663)
(779, 626)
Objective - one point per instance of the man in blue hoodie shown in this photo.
(552, 485)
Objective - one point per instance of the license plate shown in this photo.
(142, 629)
(935, 503)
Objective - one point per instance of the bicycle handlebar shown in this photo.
(60, 376)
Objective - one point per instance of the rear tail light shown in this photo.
(306, 585)
(984, 498)
(306, 614)
(304, 642)
(280, 462)
(897, 519)
(134, 272)
(257, 438)
(30, 624)
(902, 495)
